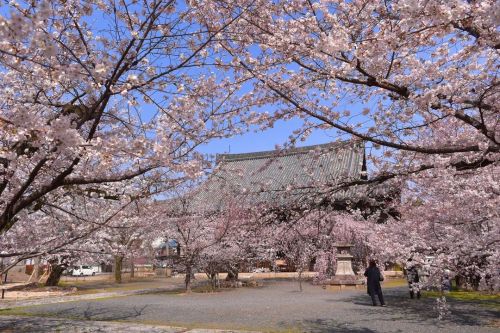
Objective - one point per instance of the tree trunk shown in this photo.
(56, 271)
(475, 281)
(212, 277)
(232, 273)
(187, 279)
(1, 270)
(132, 268)
(329, 268)
(300, 279)
(37, 267)
(118, 269)
(459, 281)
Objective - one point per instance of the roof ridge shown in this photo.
(281, 153)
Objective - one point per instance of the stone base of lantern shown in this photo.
(344, 282)
(344, 276)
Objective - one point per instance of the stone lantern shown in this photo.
(344, 260)
(344, 276)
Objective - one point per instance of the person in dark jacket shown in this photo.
(413, 279)
(373, 278)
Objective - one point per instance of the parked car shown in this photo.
(261, 270)
(83, 270)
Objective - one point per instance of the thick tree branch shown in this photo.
(109, 179)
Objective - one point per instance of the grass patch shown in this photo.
(202, 289)
(108, 289)
(393, 283)
(207, 288)
(17, 311)
(491, 301)
(84, 289)
(212, 326)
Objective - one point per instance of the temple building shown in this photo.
(285, 177)
(285, 180)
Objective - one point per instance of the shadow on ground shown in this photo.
(401, 307)
(32, 324)
(329, 326)
(100, 313)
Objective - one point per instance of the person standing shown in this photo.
(413, 279)
(373, 278)
(446, 282)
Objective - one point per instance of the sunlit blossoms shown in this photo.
(105, 104)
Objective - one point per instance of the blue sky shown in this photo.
(264, 140)
(251, 141)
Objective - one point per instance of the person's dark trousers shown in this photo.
(380, 297)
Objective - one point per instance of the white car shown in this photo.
(83, 270)
(261, 270)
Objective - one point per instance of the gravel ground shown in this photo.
(20, 324)
(12, 303)
(278, 306)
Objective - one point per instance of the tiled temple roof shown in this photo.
(268, 176)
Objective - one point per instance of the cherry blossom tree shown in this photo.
(416, 81)
(246, 242)
(310, 235)
(299, 252)
(97, 92)
(196, 229)
(100, 92)
(448, 217)
(64, 230)
(129, 235)
(397, 75)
